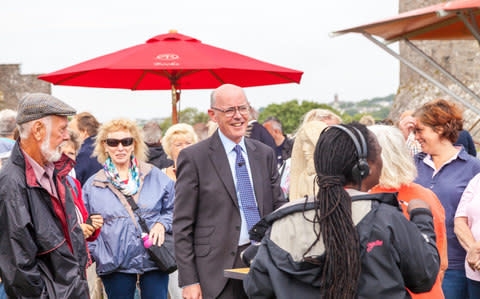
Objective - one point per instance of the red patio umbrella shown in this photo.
(172, 61)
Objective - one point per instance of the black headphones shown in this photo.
(361, 170)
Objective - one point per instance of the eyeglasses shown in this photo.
(115, 142)
(229, 112)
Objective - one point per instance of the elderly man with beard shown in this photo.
(43, 253)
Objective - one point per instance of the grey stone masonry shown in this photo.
(14, 85)
(460, 58)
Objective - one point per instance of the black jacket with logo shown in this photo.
(395, 253)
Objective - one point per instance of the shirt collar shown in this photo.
(229, 145)
(458, 155)
(39, 170)
(462, 154)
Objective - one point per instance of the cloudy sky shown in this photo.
(44, 36)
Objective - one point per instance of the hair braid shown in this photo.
(335, 155)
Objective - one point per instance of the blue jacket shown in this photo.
(119, 247)
(86, 164)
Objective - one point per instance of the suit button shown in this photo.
(237, 227)
(232, 253)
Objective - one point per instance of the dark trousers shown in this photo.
(454, 284)
(473, 288)
(234, 287)
(153, 285)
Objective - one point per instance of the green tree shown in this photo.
(290, 113)
(189, 115)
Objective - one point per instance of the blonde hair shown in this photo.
(367, 120)
(175, 130)
(212, 127)
(140, 148)
(321, 115)
(398, 166)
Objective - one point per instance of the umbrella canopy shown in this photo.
(445, 21)
(172, 61)
(454, 20)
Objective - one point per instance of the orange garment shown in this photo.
(415, 191)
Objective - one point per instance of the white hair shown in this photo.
(398, 166)
(276, 124)
(25, 129)
(175, 130)
(7, 122)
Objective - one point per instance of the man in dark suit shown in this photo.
(224, 185)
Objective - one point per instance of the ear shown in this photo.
(38, 131)
(212, 115)
(439, 130)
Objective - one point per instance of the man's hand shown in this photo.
(192, 292)
(87, 229)
(417, 203)
(473, 256)
(157, 234)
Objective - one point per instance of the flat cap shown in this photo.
(38, 105)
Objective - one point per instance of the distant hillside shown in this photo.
(378, 107)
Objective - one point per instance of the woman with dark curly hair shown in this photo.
(446, 169)
(344, 243)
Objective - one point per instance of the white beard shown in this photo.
(50, 155)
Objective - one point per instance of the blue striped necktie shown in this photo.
(247, 198)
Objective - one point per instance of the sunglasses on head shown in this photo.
(114, 142)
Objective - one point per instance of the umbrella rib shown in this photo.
(163, 73)
(423, 30)
(71, 77)
(139, 80)
(216, 76)
(186, 73)
(282, 76)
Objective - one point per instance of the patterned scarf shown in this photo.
(129, 188)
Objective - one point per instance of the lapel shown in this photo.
(254, 159)
(219, 160)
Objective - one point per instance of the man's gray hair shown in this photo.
(275, 122)
(213, 98)
(152, 132)
(25, 129)
(254, 113)
(7, 122)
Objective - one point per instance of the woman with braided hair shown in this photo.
(344, 242)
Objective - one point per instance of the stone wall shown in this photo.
(13, 85)
(460, 58)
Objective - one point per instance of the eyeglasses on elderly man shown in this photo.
(229, 112)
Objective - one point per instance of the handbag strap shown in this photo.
(134, 207)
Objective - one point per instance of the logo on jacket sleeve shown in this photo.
(373, 244)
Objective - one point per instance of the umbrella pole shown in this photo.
(174, 105)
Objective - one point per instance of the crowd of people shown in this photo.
(358, 210)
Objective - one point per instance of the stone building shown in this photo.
(460, 58)
(13, 85)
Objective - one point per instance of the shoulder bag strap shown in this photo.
(134, 207)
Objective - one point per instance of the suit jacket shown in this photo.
(206, 223)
